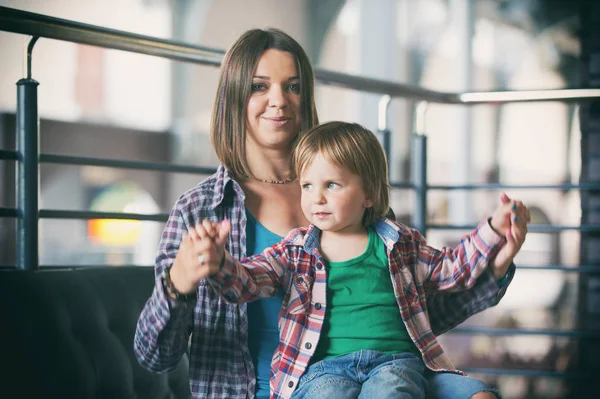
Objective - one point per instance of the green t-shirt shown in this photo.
(362, 312)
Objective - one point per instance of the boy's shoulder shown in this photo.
(395, 231)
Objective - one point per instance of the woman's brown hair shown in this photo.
(228, 124)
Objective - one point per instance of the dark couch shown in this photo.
(68, 333)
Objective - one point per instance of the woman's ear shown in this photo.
(367, 203)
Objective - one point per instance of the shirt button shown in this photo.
(291, 384)
(318, 306)
(299, 280)
(308, 345)
(319, 266)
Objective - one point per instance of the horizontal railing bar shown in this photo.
(9, 154)
(83, 266)
(38, 25)
(563, 268)
(8, 212)
(498, 97)
(406, 186)
(529, 373)
(86, 215)
(510, 331)
(532, 228)
(496, 186)
(377, 86)
(91, 161)
(116, 163)
(575, 269)
(27, 23)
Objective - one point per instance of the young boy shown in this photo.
(354, 318)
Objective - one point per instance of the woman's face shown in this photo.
(274, 106)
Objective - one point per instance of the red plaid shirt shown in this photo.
(296, 265)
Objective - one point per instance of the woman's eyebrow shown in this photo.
(268, 78)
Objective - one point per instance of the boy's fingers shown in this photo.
(223, 231)
(202, 233)
(193, 234)
(504, 199)
(208, 226)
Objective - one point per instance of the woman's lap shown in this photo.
(455, 386)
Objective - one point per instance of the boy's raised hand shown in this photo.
(199, 255)
(509, 220)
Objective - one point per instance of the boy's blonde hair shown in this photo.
(354, 148)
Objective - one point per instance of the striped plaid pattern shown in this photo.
(296, 265)
(220, 362)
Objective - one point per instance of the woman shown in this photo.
(265, 97)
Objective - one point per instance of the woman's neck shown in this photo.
(271, 166)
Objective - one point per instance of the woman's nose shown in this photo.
(277, 97)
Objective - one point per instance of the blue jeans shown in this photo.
(454, 386)
(364, 374)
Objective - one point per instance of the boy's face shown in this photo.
(333, 198)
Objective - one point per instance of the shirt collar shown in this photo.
(223, 178)
(387, 229)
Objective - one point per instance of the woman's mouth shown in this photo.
(279, 121)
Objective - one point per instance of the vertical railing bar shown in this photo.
(419, 168)
(28, 56)
(28, 181)
(383, 131)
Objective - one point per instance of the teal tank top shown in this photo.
(263, 315)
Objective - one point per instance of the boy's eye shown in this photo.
(332, 185)
(306, 186)
(258, 87)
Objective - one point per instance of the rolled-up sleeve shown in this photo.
(164, 325)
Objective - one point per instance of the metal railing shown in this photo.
(28, 156)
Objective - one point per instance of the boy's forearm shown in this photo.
(240, 283)
(459, 268)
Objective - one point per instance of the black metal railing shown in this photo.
(28, 156)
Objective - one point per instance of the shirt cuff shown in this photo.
(507, 277)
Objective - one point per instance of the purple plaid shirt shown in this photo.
(220, 362)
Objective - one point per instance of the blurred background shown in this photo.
(106, 103)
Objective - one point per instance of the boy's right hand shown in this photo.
(199, 255)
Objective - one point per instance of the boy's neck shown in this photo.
(340, 247)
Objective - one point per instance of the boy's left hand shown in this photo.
(510, 220)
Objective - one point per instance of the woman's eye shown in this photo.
(258, 87)
(294, 88)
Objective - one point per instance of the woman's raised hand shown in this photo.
(199, 255)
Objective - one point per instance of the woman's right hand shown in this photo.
(199, 255)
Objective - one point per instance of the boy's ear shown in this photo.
(367, 203)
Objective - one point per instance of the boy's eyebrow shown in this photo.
(268, 78)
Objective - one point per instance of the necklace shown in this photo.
(286, 181)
